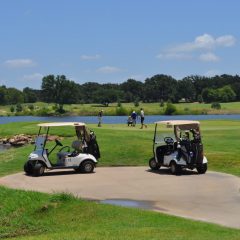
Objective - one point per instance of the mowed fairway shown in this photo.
(31, 215)
(128, 146)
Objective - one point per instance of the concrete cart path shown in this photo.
(212, 197)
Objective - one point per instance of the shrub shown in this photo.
(59, 109)
(31, 107)
(121, 111)
(19, 107)
(12, 109)
(216, 105)
(170, 109)
(161, 103)
(136, 103)
(119, 104)
(42, 112)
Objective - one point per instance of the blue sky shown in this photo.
(113, 40)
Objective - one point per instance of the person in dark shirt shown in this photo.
(134, 118)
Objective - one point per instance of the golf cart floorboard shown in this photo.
(61, 167)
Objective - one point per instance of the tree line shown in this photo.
(159, 88)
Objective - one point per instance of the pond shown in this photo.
(4, 147)
(114, 119)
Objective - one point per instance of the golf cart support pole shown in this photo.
(154, 138)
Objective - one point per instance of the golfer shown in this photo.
(100, 114)
(142, 119)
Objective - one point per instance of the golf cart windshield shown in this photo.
(40, 142)
(67, 129)
(175, 129)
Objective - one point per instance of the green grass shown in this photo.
(122, 145)
(149, 108)
(32, 215)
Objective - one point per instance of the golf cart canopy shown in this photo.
(180, 124)
(80, 128)
(60, 124)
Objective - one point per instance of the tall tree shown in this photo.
(30, 95)
(14, 96)
(133, 90)
(186, 89)
(160, 87)
(49, 88)
(2, 95)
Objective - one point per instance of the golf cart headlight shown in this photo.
(33, 156)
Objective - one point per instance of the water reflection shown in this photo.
(4, 147)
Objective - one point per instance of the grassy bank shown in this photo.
(122, 145)
(32, 215)
(126, 108)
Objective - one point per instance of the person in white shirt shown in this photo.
(142, 119)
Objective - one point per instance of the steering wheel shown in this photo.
(168, 140)
(58, 143)
(68, 149)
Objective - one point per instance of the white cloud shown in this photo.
(108, 69)
(176, 56)
(212, 73)
(209, 57)
(226, 41)
(19, 63)
(204, 42)
(33, 77)
(90, 57)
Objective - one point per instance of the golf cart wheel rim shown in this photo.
(88, 167)
(153, 163)
(173, 168)
(41, 170)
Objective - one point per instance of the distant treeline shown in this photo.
(159, 88)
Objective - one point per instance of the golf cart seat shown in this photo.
(76, 145)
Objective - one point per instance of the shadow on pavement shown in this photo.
(60, 173)
(166, 171)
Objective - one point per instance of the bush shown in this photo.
(12, 109)
(216, 105)
(170, 109)
(119, 104)
(136, 103)
(42, 112)
(60, 109)
(161, 103)
(19, 107)
(31, 107)
(121, 111)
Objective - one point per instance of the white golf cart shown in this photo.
(83, 157)
(178, 146)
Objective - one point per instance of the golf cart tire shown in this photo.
(28, 168)
(38, 169)
(202, 168)
(153, 164)
(87, 166)
(175, 168)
